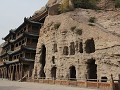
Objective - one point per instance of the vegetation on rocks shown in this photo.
(64, 7)
(73, 28)
(87, 4)
(92, 19)
(57, 25)
(76, 30)
(117, 3)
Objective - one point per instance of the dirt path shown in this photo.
(12, 85)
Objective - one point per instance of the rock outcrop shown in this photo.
(103, 4)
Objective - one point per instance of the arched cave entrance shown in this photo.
(43, 61)
(53, 72)
(92, 70)
(90, 46)
(72, 73)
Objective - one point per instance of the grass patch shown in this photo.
(92, 19)
(57, 25)
(73, 28)
(78, 31)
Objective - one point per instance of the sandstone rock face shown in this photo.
(69, 46)
(103, 4)
(51, 2)
(106, 4)
(39, 11)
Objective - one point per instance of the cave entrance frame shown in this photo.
(92, 70)
(42, 61)
(53, 72)
(72, 70)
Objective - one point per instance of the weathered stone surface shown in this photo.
(54, 10)
(39, 11)
(72, 31)
(54, 5)
(106, 4)
(52, 2)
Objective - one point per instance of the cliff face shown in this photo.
(105, 21)
(103, 4)
(72, 39)
(0, 53)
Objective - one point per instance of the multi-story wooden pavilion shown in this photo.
(19, 49)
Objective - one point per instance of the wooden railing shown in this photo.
(25, 77)
(78, 83)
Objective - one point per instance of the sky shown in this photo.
(12, 13)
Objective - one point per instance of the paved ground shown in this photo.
(12, 85)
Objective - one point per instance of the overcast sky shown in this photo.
(12, 13)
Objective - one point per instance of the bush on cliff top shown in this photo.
(64, 7)
(86, 4)
(117, 3)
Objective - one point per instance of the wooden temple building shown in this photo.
(18, 51)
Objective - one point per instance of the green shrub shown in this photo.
(92, 19)
(73, 28)
(64, 7)
(117, 3)
(78, 31)
(86, 4)
(57, 25)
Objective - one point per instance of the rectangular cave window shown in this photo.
(55, 47)
(92, 69)
(65, 50)
(81, 47)
(72, 48)
(53, 59)
(76, 46)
